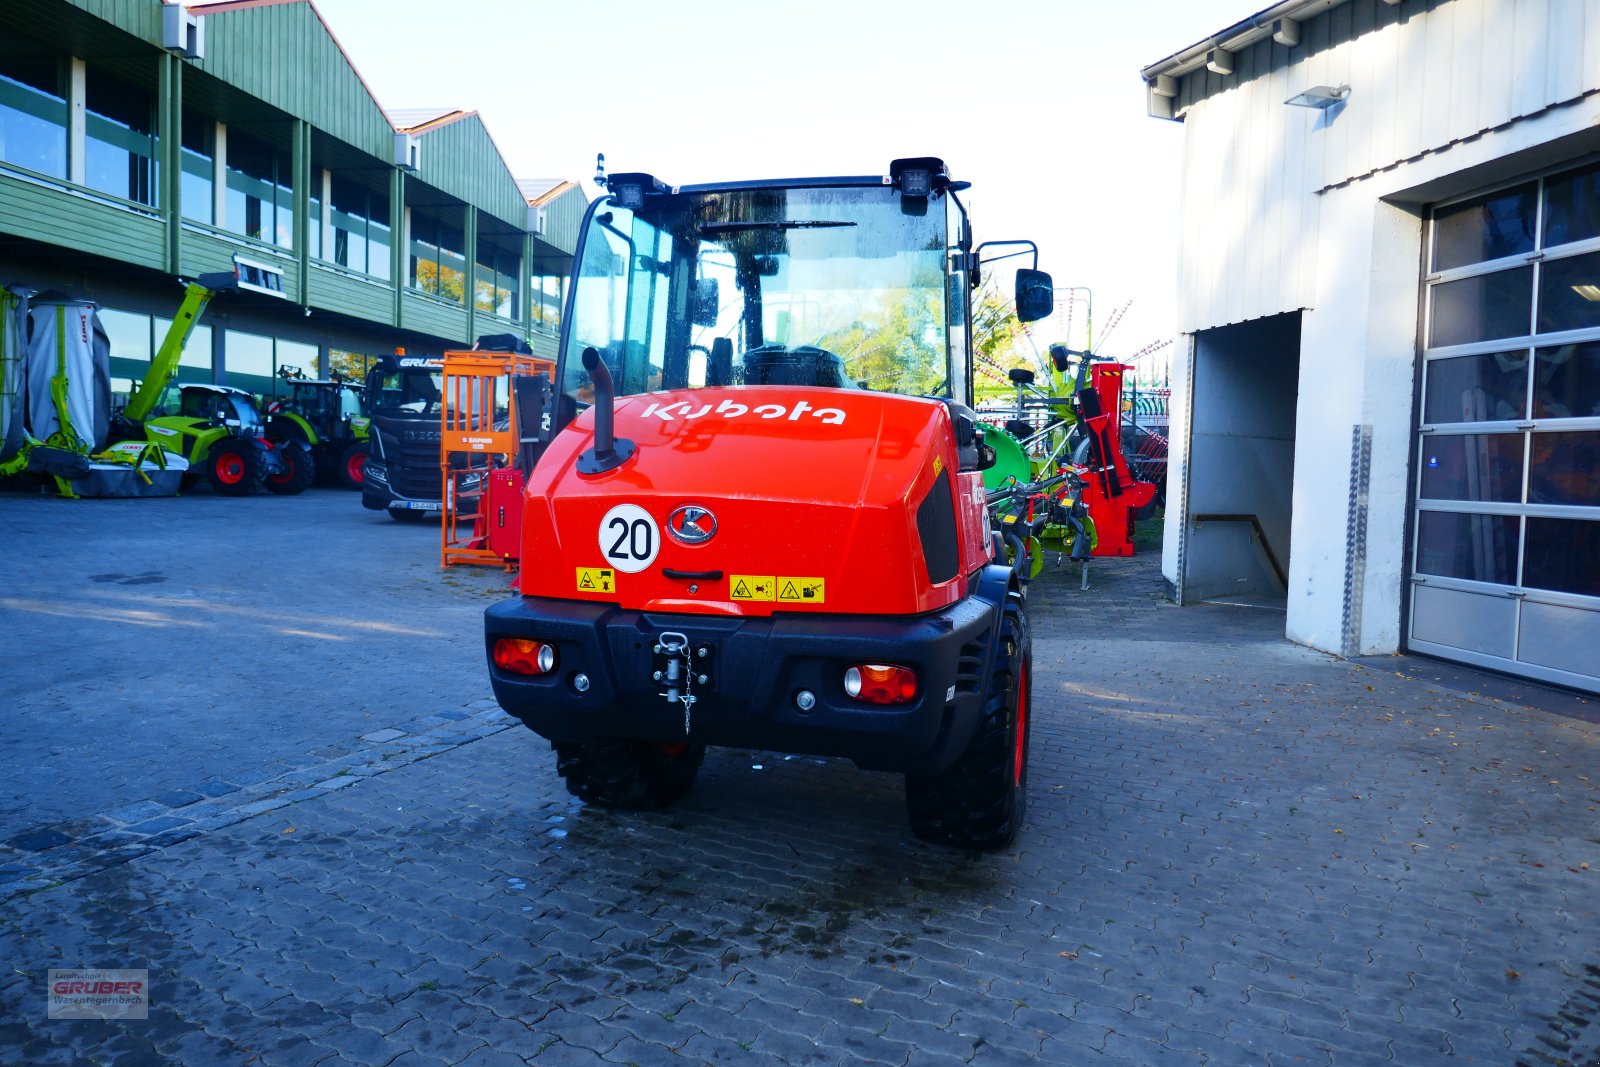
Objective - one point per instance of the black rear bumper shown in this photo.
(756, 668)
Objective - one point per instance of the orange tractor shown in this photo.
(758, 519)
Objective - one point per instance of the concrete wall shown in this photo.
(1358, 368)
(1241, 455)
(1426, 77)
(1287, 209)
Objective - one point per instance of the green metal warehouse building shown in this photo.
(142, 143)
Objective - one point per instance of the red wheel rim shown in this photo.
(287, 474)
(354, 466)
(1022, 724)
(230, 469)
(674, 748)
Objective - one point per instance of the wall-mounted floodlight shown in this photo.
(1321, 97)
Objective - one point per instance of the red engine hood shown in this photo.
(813, 494)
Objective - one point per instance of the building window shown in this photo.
(548, 290)
(296, 354)
(497, 288)
(247, 358)
(314, 223)
(260, 203)
(119, 133)
(137, 337)
(33, 114)
(252, 361)
(197, 169)
(359, 227)
(438, 257)
(351, 366)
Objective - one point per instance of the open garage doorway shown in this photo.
(1246, 384)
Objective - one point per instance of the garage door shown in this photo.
(1506, 558)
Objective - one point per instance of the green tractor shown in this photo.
(330, 418)
(216, 428)
(219, 430)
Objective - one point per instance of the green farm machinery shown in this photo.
(329, 417)
(217, 429)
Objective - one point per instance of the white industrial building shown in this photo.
(1386, 413)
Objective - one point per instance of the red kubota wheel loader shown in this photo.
(758, 519)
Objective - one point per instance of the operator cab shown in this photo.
(220, 404)
(858, 283)
(818, 282)
(409, 386)
(320, 401)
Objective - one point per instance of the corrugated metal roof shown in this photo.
(538, 190)
(1241, 34)
(423, 119)
(211, 7)
(1171, 83)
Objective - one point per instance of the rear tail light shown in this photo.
(520, 655)
(881, 683)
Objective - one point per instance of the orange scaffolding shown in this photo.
(478, 436)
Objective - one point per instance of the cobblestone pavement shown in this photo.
(1238, 852)
(209, 643)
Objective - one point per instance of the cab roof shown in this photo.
(208, 387)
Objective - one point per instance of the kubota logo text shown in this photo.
(732, 409)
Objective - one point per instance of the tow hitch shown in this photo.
(681, 669)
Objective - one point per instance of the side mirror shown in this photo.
(1036, 297)
(706, 305)
(987, 456)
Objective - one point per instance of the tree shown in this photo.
(996, 339)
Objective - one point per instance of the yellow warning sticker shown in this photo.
(938, 465)
(753, 587)
(799, 590)
(597, 580)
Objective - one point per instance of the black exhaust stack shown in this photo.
(608, 453)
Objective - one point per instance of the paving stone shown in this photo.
(488, 1057)
(560, 1054)
(158, 825)
(39, 840)
(177, 798)
(1178, 895)
(137, 812)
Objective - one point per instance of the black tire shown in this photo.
(980, 801)
(299, 469)
(632, 775)
(348, 470)
(234, 467)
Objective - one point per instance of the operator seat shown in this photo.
(800, 365)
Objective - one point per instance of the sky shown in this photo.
(1038, 103)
